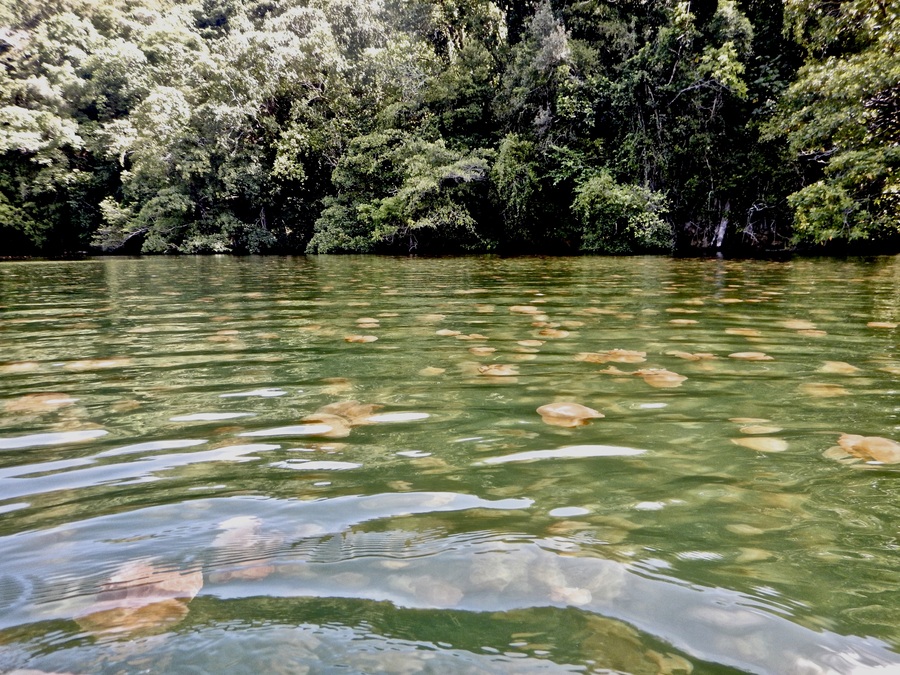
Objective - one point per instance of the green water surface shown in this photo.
(173, 498)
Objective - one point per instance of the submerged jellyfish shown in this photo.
(567, 414)
(613, 356)
(141, 597)
(660, 377)
(872, 448)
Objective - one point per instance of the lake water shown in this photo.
(211, 465)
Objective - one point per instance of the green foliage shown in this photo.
(841, 118)
(399, 192)
(195, 126)
(621, 219)
(516, 180)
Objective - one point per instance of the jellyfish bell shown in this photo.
(660, 377)
(498, 370)
(753, 429)
(823, 390)
(38, 403)
(141, 597)
(567, 414)
(340, 426)
(612, 356)
(360, 338)
(762, 443)
(148, 619)
(553, 333)
(745, 332)
(689, 356)
(351, 412)
(838, 368)
(873, 448)
(798, 324)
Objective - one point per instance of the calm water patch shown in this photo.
(468, 465)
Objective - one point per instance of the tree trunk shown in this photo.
(723, 225)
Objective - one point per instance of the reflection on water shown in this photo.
(539, 465)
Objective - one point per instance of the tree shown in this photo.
(192, 126)
(401, 192)
(621, 218)
(841, 118)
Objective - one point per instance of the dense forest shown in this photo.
(552, 126)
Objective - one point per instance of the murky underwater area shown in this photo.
(339, 465)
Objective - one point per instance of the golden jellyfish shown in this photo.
(612, 356)
(612, 370)
(498, 370)
(38, 403)
(838, 368)
(360, 338)
(752, 429)
(873, 448)
(798, 324)
(553, 333)
(353, 413)
(241, 537)
(689, 356)
(335, 386)
(745, 332)
(660, 377)
(823, 390)
(98, 364)
(567, 414)
(762, 443)
(340, 426)
(141, 597)
(19, 367)
(147, 619)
